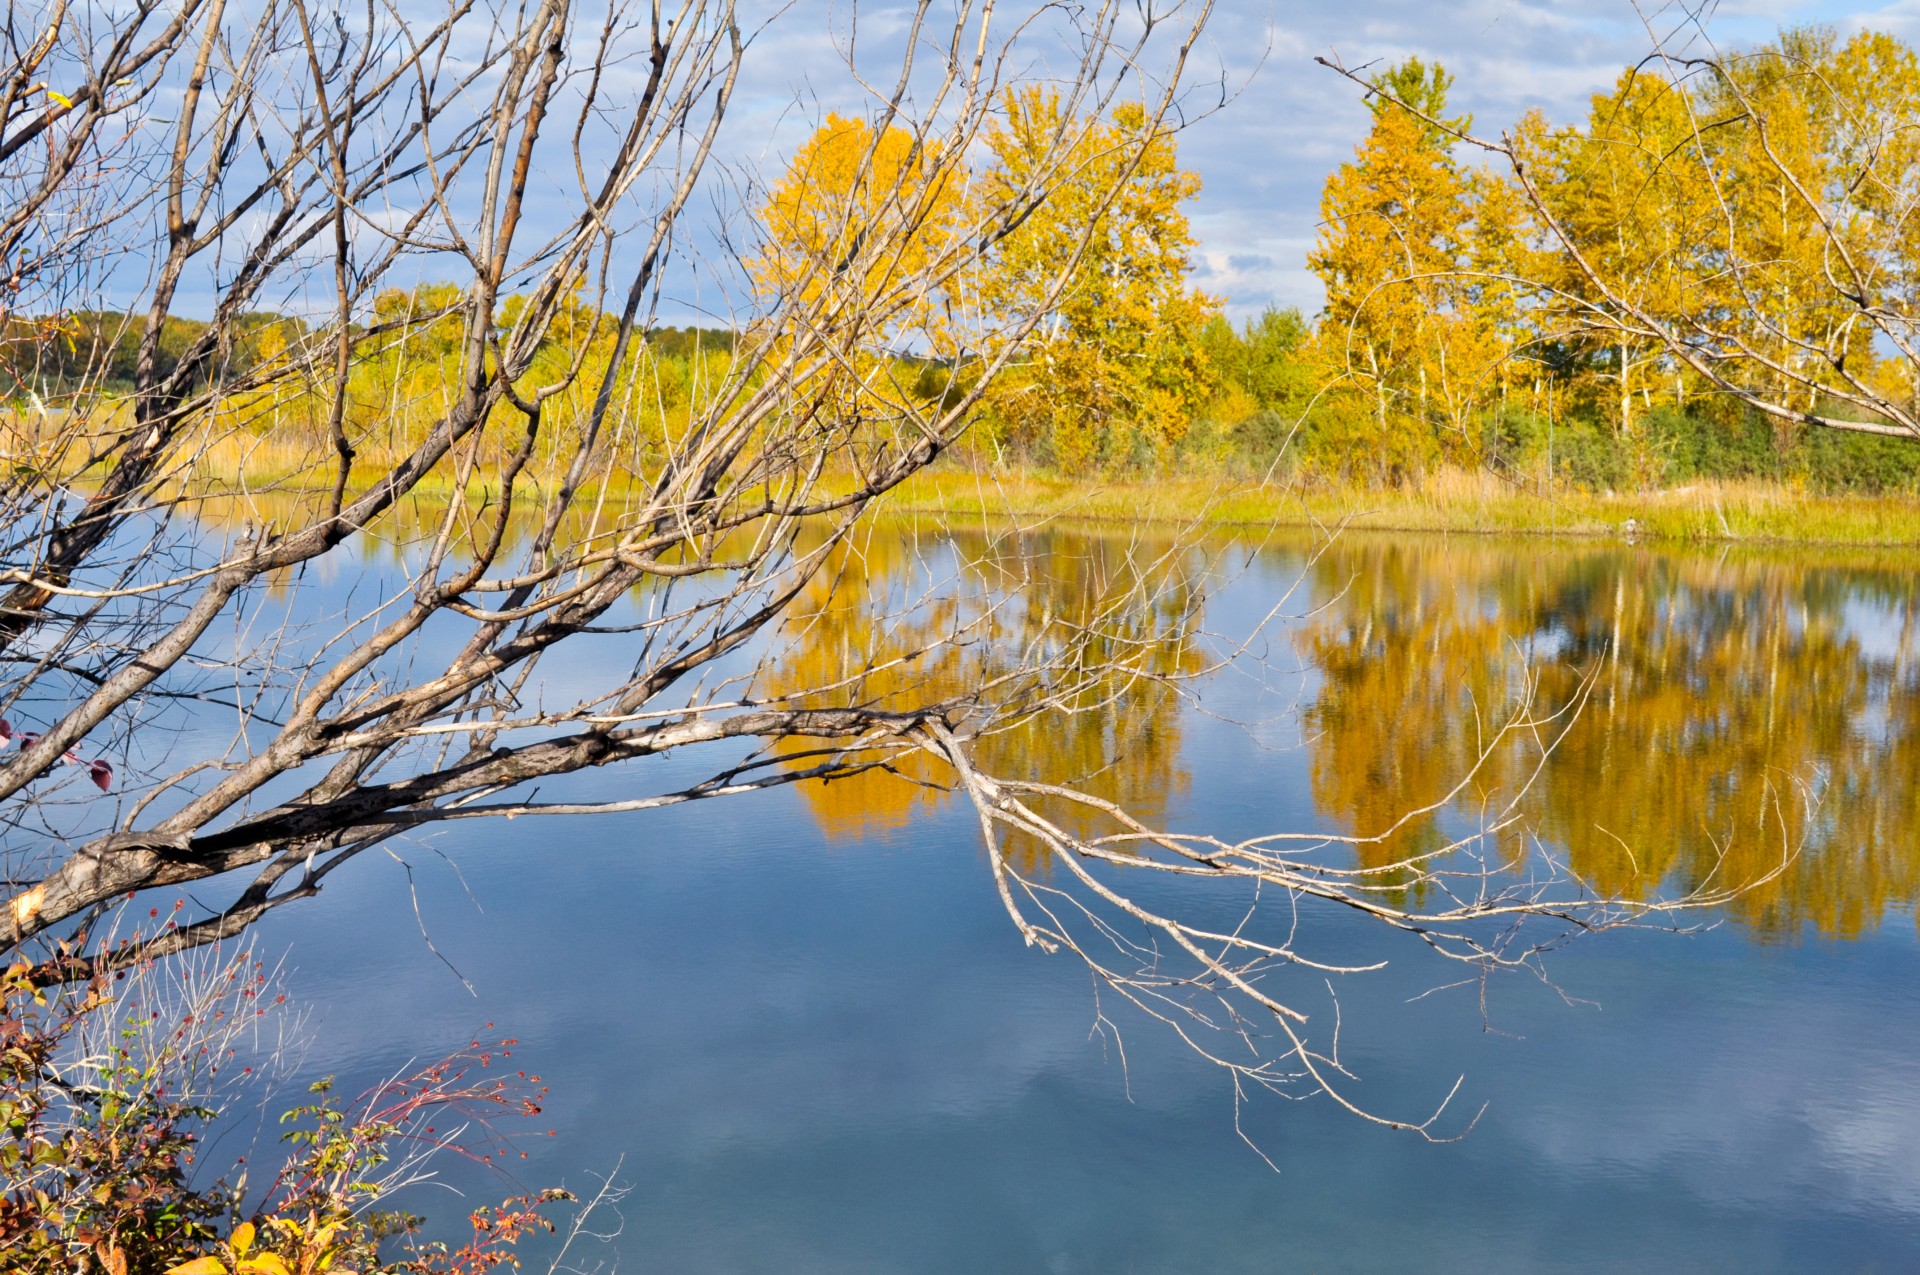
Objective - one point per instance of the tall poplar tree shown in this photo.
(860, 214)
(1818, 166)
(1117, 372)
(1632, 194)
(1415, 326)
(1746, 224)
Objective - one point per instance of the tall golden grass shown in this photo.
(1447, 500)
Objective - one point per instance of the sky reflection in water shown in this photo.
(806, 1033)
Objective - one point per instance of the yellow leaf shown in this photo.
(242, 1239)
(266, 1264)
(61, 98)
(199, 1266)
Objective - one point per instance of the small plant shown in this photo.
(103, 1092)
(238, 1255)
(94, 1166)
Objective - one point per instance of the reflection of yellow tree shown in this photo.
(1412, 639)
(848, 638)
(1718, 693)
(1082, 631)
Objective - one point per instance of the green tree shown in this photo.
(1414, 86)
(1266, 379)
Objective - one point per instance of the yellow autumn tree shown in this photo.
(858, 218)
(1818, 164)
(858, 236)
(1418, 317)
(1633, 198)
(1116, 372)
(1744, 224)
(1707, 209)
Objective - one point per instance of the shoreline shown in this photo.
(1452, 502)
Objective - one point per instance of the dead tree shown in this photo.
(223, 370)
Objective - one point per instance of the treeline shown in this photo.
(272, 414)
(1524, 319)
(1475, 317)
(97, 351)
(1529, 319)
(1479, 319)
(1281, 405)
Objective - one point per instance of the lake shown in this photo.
(800, 1027)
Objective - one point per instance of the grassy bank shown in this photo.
(1449, 501)
(1457, 501)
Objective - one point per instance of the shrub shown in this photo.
(107, 1085)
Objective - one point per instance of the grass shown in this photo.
(1450, 501)
(1456, 501)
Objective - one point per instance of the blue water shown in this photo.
(806, 1051)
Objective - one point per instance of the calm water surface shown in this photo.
(801, 1028)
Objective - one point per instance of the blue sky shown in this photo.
(1264, 153)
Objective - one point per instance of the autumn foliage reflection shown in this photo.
(1090, 634)
(1728, 704)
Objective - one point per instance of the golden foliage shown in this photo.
(1084, 632)
(860, 219)
(1727, 709)
(1116, 372)
(1419, 318)
(1717, 236)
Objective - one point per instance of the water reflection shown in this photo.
(1729, 701)
(1087, 636)
(1736, 702)
(812, 1056)
(1716, 706)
